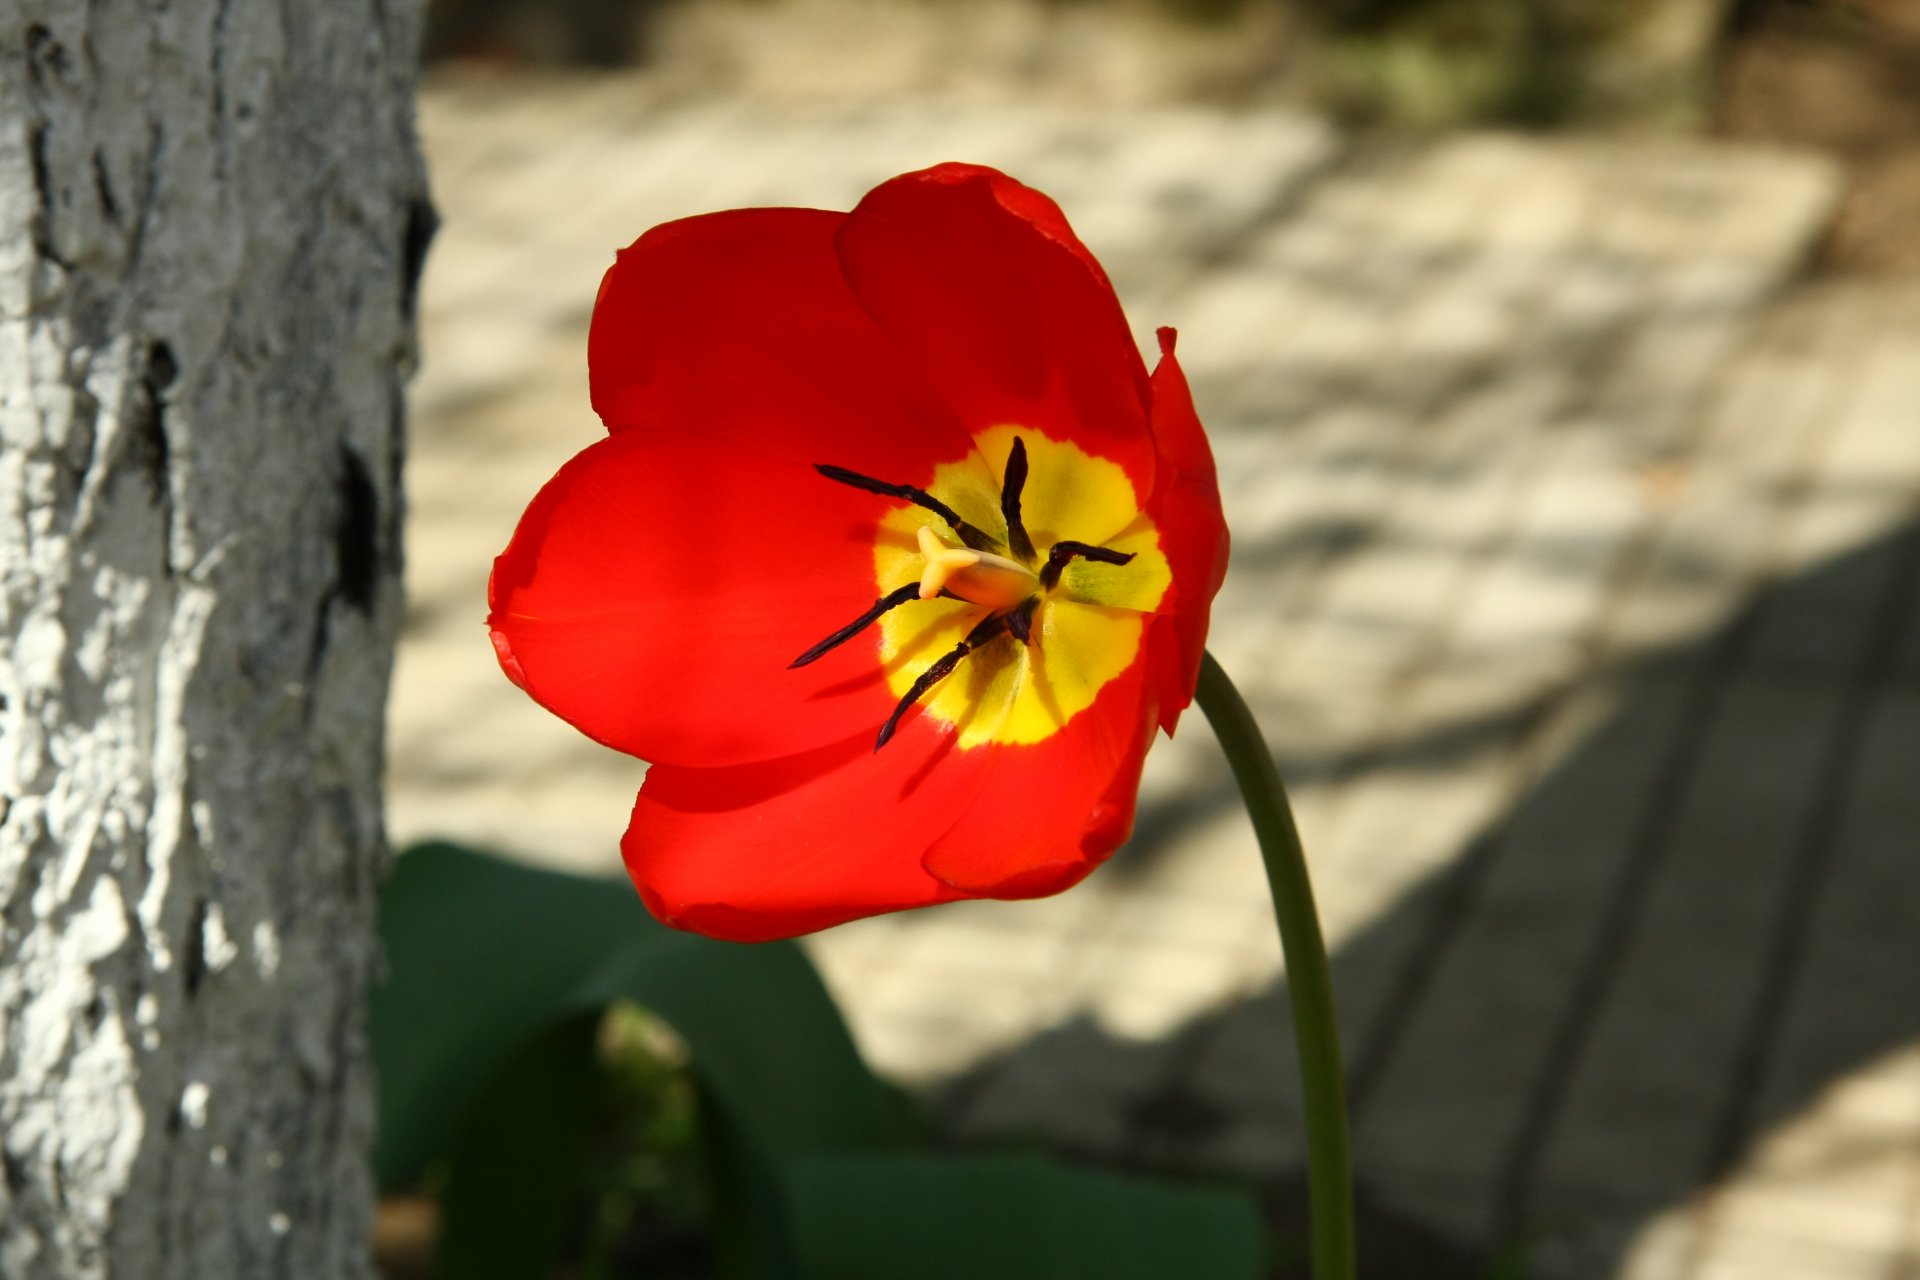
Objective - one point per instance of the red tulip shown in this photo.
(892, 560)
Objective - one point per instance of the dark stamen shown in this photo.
(893, 599)
(918, 497)
(1020, 621)
(940, 670)
(1016, 479)
(1063, 552)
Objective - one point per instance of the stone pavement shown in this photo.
(1575, 567)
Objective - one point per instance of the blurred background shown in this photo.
(1562, 359)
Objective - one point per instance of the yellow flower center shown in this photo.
(1072, 591)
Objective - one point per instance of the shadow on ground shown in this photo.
(1680, 938)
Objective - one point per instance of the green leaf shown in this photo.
(882, 1216)
(484, 955)
(481, 1033)
(513, 1172)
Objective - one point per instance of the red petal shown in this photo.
(1193, 534)
(1046, 814)
(979, 281)
(739, 325)
(659, 585)
(785, 847)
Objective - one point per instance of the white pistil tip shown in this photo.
(978, 577)
(943, 562)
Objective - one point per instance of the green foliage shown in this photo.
(521, 1165)
(948, 1217)
(1446, 62)
(1532, 63)
(487, 958)
(485, 955)
(509, 1032)
(647, 1176)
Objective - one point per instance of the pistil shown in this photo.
(978, 577)
(1010, 589)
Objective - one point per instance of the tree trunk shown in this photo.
(212, 216)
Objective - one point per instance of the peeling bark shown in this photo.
(211, 220)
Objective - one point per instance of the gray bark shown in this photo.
(211, 220)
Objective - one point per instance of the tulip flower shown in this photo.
(892, 561)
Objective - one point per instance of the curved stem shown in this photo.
(1309, 981)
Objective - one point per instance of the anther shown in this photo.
(1016, 479)
(893, 599)
(988, 629)
(1063, 553)
(1020, 621)
(918, 497)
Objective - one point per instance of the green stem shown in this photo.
(1309, 981)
